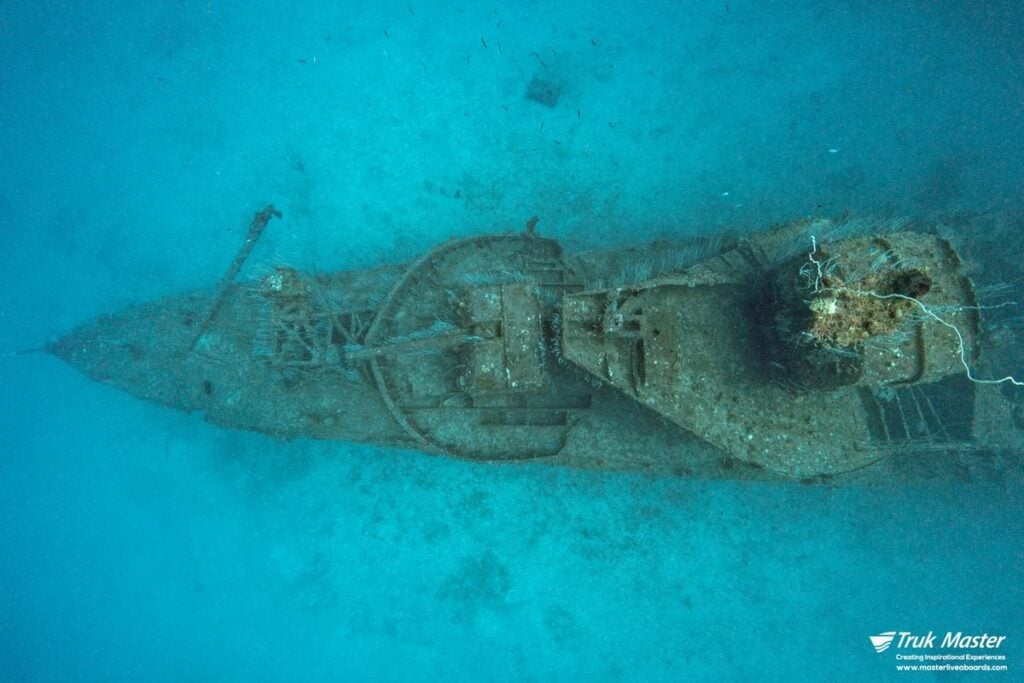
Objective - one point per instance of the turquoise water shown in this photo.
(137, 140)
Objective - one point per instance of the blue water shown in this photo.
(136, 141)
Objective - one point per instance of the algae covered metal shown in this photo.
(815, 350)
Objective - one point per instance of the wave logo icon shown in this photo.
(882, 641)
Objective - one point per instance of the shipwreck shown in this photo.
(818, 351)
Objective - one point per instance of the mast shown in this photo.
(256, 228)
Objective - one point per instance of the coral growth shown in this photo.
(847, 314)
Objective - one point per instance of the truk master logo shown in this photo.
(951, 641)
(953, 652)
